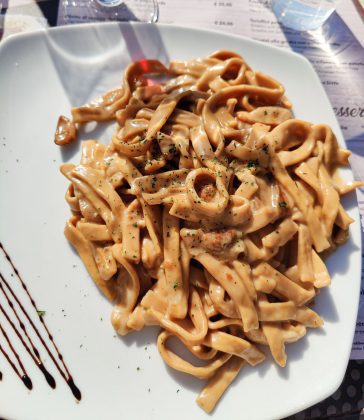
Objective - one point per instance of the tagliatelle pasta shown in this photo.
(208, 213)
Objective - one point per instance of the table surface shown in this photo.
(348, 401)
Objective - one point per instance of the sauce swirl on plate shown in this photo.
(25, 323)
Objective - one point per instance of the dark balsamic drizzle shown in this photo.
(36, 360)
(23, 376)
(24, 336)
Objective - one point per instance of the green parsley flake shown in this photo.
(253, 164)
(172, 149)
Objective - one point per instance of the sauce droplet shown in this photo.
(75, 391)
(49, 378)
(27, 381)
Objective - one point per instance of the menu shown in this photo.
(335, 50)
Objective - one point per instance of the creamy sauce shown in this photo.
(207, 212)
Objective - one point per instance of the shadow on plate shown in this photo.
(326, 308)
(183, 379)
(68, 152)
(148, 336)
(90, 60)
(338, 261)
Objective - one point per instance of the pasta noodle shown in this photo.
(208, 213)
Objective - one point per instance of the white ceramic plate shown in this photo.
(41, 75)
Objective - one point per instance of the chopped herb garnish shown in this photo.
(266, 149)
(283, 204)
(253, 164)
(175, 285)
(172, 149)
(41, 313)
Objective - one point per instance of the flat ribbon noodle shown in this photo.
(209, 213)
